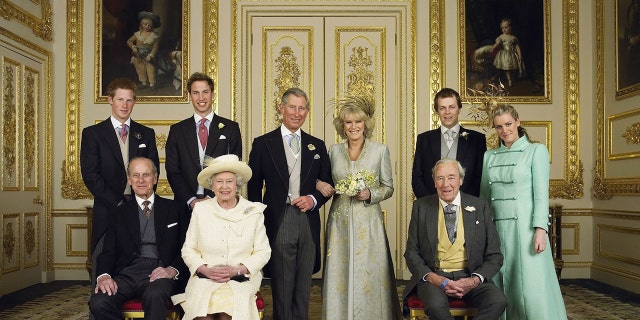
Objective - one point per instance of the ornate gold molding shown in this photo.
(210, 41)
(9, 124)
(572, 186)
(30, 172)
(605, 188)
(72, 185)
(436, 40)
(42, 26)
(632, 133)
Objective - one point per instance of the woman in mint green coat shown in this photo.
(515, 180)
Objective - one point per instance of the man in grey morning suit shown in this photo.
(453, 248)
(288, 161)
(452, 141)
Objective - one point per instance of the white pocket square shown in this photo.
(172, 225)
(316, 156)
(142, 146)
(222, 137)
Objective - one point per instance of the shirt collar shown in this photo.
(455, 128)
(455, 201)
(116, 124)
(285, 132)
(209, 117)
(151, 199)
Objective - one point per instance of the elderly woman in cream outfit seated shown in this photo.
(226, 246)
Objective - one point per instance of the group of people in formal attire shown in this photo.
(477, 230)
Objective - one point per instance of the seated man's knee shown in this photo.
(99, 303)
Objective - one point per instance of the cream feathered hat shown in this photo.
(225, 163)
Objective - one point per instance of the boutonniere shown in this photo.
(465, 135)
(311, 147)
(470, 208)
(316, 156)
(220, 125)
(137, 135)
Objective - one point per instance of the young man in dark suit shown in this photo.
(453, 248)
(450, 140)
(287, 162)
(141, 256)
(105, 151)
(190, 140)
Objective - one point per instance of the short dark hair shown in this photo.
(121, 83)
(296, 92)
(446, 93)
(199, 76)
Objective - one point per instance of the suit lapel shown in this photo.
(435, 140)
(306, 157)
(433, 209)
(214, 135)
(160, 217)
(131, 216)
(469, 219)
(275, 147)
(134, 142)
(111, 140)
(463, 148)
(188, 128)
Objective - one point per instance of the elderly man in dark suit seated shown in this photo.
(453, 248)
(141, 255)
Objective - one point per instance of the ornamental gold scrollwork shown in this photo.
(287, 76)
(30, 125)
(9, 240)
(361, 80)
(632, 133)
(9, 119)
(161, 141)
(41, 27)
(29, 237)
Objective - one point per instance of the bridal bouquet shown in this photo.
(355, 182)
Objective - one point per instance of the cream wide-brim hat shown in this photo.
(225, 163)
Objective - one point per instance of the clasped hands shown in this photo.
(107, 285)
(220, 274)
(454, 288)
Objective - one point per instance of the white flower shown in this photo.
(470, 208)
(311, 147)
(465, 135)
(220, 125)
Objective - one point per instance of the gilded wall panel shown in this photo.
(11, 88)
(613, 243)
(31, 156)
(617, 122)
(31, 239)
(360, 60)
(571, 245)
(10, 242)
(22, 11)
(71, 230)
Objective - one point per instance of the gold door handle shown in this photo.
(37, 200)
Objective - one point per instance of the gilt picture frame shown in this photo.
(155, 58)
(518, 58)
(627, 48)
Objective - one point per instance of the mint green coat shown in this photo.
(515, 181)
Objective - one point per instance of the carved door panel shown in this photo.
(21, 173)
(327, 57)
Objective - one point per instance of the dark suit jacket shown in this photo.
(269, 165)
(482, 242)
(122, 240)
(103, 170)
(182, 157)
(470, 153)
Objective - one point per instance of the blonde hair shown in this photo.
(362, 108)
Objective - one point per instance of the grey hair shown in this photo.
(461, 170)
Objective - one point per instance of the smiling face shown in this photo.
(294, 112)
(354, 127)
(506, 128)
(142, 177)
(224, 186)
(447, 180)
(202, 97)
(448, 111)
(122, 104)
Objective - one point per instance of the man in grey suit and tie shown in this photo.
(450, 140)
(287, 162)
(453, 248)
